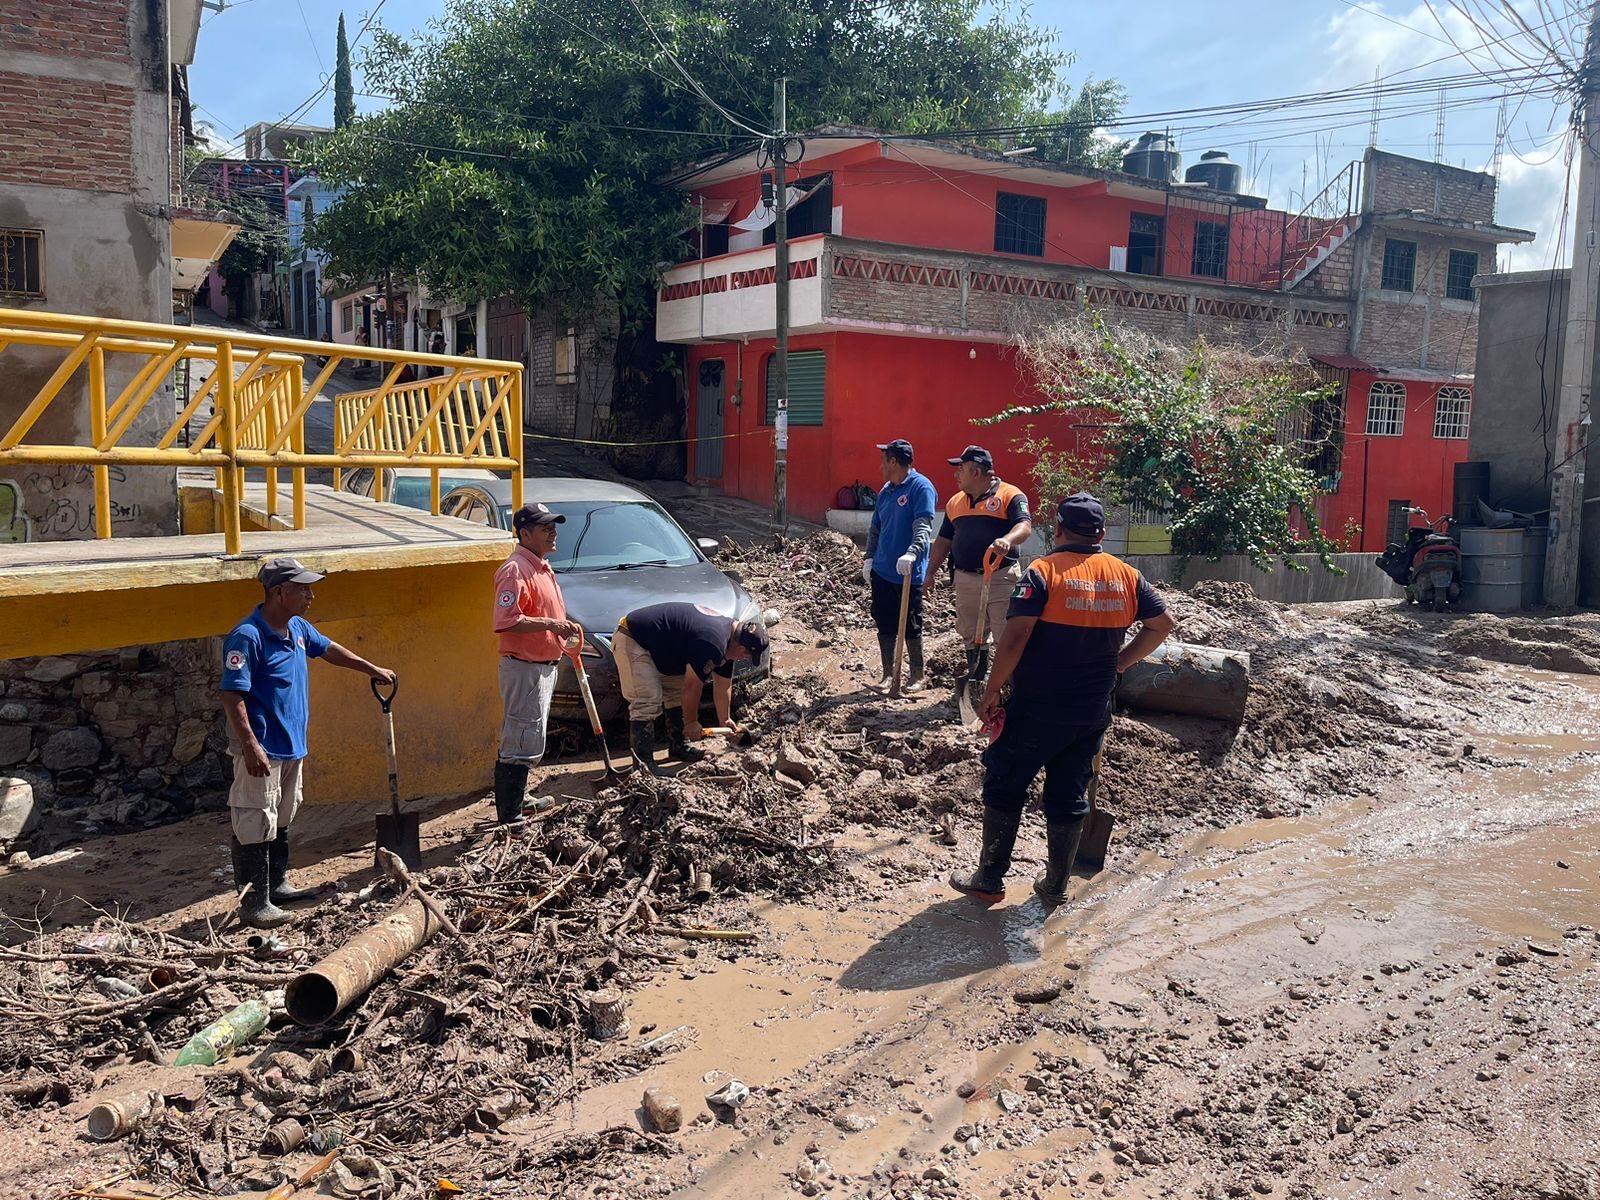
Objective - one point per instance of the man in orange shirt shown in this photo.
(531, 619)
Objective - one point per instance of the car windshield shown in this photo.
(415, 491)
(619, 535)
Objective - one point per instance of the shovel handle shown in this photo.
(992, 559)
(386, 699)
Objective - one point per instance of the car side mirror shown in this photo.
(708, 545)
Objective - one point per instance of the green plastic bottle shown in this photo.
(218, 1039)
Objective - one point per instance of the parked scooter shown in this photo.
(1428, 564)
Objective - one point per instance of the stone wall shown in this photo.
(122, 738)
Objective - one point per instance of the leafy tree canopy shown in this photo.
(524, 138)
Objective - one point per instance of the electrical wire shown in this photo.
(694, 84)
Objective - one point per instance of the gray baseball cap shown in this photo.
(276, 572)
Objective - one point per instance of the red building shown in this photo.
(914, 264)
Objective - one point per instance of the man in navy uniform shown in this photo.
(897, 548)
(1062, 652)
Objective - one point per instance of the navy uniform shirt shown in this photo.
(270, 669)
(1085, 601)
(971, 526)
(895, 515)
(680, 637)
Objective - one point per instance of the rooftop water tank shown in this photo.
(1153, 156)
(1218, 171)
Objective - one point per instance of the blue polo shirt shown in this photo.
(898, 507)
(270, 671)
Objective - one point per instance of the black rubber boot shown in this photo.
(994, 857)
(252, 869)
(278, 861)
(1051, 887)
(510, 786)
(642, 741)
(678, 748)
(914, 658)
(886, 652)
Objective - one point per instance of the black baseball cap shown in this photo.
(977, 456)
(899, 450)
(276, 572)
(1081, 513)
(753, 637)
(535, 514)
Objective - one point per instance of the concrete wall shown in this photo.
(1362, 580)
(85, 157)
(1523, 321)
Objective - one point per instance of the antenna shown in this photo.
(1502, 127)
(1377, 105)
(1438, 131)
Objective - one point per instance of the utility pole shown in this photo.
(780, 353)
(1578, 345)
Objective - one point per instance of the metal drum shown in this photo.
(1535, 544)
(1491, 569)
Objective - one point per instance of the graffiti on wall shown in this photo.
(56, 502)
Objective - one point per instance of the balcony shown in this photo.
(844, 284)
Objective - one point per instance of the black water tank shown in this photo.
(1471, 485)
(1218, 171)
(1154, 157)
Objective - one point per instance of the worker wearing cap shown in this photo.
(665, 655)
(266, 702)
(897, 549)
(530, 618)
(986, 514)
(1062, 651)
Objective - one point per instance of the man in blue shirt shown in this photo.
(264, 696)
(897, 548)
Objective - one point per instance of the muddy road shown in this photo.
(1347, 950)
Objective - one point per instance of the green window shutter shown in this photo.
(807, 371)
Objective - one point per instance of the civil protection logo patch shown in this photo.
(992, 504)
(507, 599)
(235, 660)
(902, 501)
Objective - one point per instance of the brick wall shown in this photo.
(1398, 184)
(59, 134)
(1423, 327)
(1335, 276)
(77, 28)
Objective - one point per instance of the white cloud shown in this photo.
(1532, 194)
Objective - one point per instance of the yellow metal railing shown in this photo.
(470, 415)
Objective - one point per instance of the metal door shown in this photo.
(708, 420)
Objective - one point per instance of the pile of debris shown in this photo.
(516, 1001)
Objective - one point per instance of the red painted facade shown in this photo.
(881, 383)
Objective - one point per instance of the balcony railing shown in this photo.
(470, 416)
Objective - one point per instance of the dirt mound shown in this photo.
(1557, 644)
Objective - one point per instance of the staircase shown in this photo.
(1328, 222)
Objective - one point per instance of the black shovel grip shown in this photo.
(386, 699)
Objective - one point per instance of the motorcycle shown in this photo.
(1428, 564)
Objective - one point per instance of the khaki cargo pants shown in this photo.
(970, 596)
(261, 807)
(643, 687)
(526, 690)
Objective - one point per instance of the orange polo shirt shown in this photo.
(525, 586)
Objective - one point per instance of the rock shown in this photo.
(963, 1132)
(867, 779)
(965, 1090)
(663, 1109)
(75, 781)
(151, 780)
(1345, 1124)
(1046, 993)
(18, 814)
(1509, 958)
(851, 1123)
(52, 670)
(1148, 1156)
(1545, 949)
(16, 742)
(937, 1174)
(191, 740)
(1299, 991)
(795, 765)
(67, 748)
(13, 712)
(1560, 862)
(1032, 1083)
(1010, 1101)
(1262, 1185)
(974, 1146)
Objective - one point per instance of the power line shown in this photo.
(694, 84)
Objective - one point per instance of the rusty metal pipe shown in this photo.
(1195, 681)
(322, 993)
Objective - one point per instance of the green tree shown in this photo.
(344, 90)
(524, 141)
(1080, 118)
(1207, 435)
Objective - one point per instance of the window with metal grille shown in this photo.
(1399, 266)
(21, 262)
(1018, 224)
(347, 317)
(1386, 410)
(1458, 279)
(807, 375)
(1452, 412)
(1210, 250)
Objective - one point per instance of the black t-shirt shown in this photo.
(679, 636)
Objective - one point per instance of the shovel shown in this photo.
(900, 635)
(967, 687)
(398, 832)
(575, 653)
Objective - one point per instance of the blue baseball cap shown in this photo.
(1081, 513)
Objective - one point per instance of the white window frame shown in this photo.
(1452, 413)
(1390, 421)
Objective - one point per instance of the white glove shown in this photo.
(866, 570)
(904, 564)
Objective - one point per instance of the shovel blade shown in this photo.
(401, 835)
(1095, 840)
(968, 697)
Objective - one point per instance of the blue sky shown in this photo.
(1170, 54)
